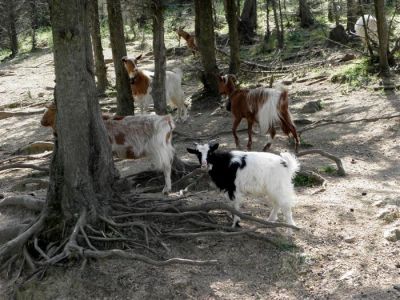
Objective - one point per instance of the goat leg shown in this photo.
(249, 132)
(236, 123)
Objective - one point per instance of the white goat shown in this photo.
(260, 174)
(141, 81)
(372, 29)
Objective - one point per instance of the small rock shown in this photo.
(312, 107)
(378, 203)
(364, 193)
(353, 161)
(40, 95)
(351, 209)
(392, 234)
(350, 239)
(389, 213)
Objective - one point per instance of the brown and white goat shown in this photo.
(190, 39)
(265, 106)
(141, 81)
(134, 137)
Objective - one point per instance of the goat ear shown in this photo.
(192, 151)
(214, 146)
(139, 57)
(124, 58)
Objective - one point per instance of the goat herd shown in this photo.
(237, 173)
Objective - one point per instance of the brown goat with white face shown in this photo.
(133, 137)
(265, 106)
(141, 81)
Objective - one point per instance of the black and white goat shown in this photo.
(259, 174)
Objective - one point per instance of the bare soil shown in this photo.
(340, 252)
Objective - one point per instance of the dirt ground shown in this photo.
(339, 253)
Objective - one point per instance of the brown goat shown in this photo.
(265, 106)
(190, 39)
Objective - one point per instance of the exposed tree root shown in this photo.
(143, 227)
(336, 159)
(25, 201)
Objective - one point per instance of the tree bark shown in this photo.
(383, 36)
(34, 23)
(231, 18)
(351, 15)
(248, 21)
(124, 95)
(100, 66)
(158, 88)
(279, 34)
(206, 44)
(11, 27)
(306, 18)
(267, 34)
(82, 170)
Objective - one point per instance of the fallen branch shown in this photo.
(325, 122)
(26, 201)
(24, 166)
(117, 253)
(222, 206)
(9, 114)
(336, 159)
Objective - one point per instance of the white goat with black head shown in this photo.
(239, 174)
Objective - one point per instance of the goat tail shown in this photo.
(292, 163)
(162, 149)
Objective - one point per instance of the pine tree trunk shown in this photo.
(267, 34)
(124, 95)
(351, 15)
(34, 23)
(82, 169)
(306, 18)
(279, 36)
(383, 36)
(11, 28)
(206, 44)
(100, 66)
(158, 91)
(231, 18)
(248, 21)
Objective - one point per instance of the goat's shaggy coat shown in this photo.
(265, 106)
(259, 174)
(141, 81)
(372, 28)
(133, 137)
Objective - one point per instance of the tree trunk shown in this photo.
(231, 18)
(158, 88)
(124, 94)
(306, 18)
(82, 170)
(248, 21)
(279, 35)
(11, 28)
(206, 44)
(100, 66)
(267, 34)
(34, 23)
(351, 15)
(383, 36)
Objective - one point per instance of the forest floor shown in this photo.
(340, 251)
